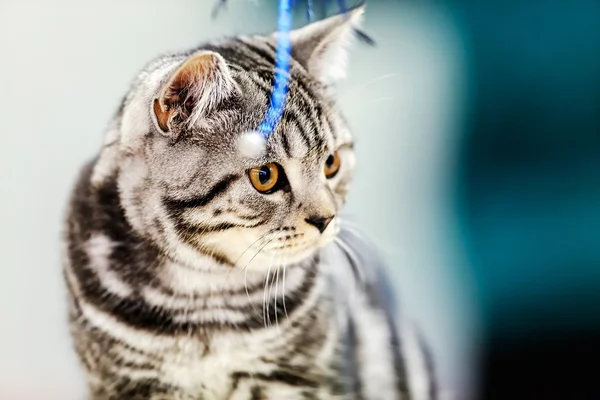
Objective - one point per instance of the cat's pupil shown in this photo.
(329, 160)
(264, 174)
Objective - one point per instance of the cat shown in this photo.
(195, 273)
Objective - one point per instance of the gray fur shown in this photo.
(187, 283)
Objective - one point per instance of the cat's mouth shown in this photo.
(290, 244)
(287, 245)
(293, 247)
(298, 246)
(290, 247)
(292, 253)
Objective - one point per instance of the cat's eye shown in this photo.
(332, 165)
(265, 178)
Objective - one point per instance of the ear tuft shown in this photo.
(194, 89)
(162, 116)
(322, 47)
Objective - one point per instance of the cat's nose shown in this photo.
(319, 222)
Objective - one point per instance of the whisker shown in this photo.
(249, 247)
(276, 287)
(355, 231)
(283, 286)
(273, 280)
(245, 270)
(238, 259)
(265, 305)
(259, 250)
(379, 100)
(246, 287)
(265, 300)
(278, 266)
(352, 259)
(267, 296)
(355, 90)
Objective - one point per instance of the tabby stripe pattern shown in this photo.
(186, 282)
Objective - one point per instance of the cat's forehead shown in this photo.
(308, 129)
(307, 125)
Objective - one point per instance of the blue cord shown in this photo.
(282, 60)
(310, 15)
(282, 70)
(282, 64)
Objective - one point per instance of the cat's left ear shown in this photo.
(197, 86)
(322, 47)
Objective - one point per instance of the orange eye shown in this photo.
(264, 178)
(332, 165)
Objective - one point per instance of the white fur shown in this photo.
(137, 374)
(133, 171)
(137, 116)
(200, 281)
(375, 357)
(108, 162)
(211, 90)
(328, 61)
(252, 145)
(418, 374)
(132, 356)
(187, 364)
(134, 338)
(99, 249)
(202, 289)
(211, 316)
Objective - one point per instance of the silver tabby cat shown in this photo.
(196, 274)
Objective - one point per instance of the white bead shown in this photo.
(252, 144)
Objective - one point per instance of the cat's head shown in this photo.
(184, 184)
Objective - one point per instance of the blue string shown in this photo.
(282, 64)
(310, 15)
(282, 70)
(282, 58)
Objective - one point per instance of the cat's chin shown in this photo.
(292, 255)
(249, 253)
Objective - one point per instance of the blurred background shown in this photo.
(478, 139)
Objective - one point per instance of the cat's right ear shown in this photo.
(322, 46)
(194, 89)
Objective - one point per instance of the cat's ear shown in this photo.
(196, 87)
(322, 47)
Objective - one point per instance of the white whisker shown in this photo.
(267, 294)
(265, 307)
(249, 247)
(278, 266)
(355, 262)
(283, 287)
(276, 288)
(356, 90)
(378, 100)
(245, 270)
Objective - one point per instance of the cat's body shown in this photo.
(186, 282)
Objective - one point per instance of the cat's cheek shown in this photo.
(233, 244)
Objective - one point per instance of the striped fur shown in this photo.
(186, 283)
